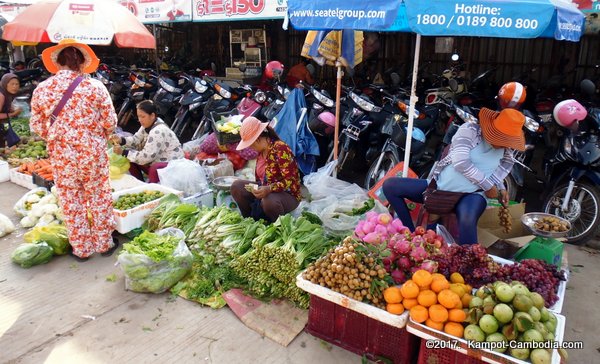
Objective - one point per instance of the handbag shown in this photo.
(11, 137)
(439, 202)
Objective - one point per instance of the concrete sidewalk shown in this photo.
(68, 312)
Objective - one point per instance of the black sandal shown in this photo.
(110, 251)
(78, 258)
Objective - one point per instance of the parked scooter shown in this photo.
(191, 105)
(143, 86)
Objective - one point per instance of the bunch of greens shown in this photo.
(21, 126)
(182, 216)
(366, 207)
(56, 236)
(212, 228)
(153, 262)
(278, 254)
(207, 281)
(27, 255)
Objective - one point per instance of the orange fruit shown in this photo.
(459, 305)
(456, 315)
(395, 308)
(409, 289)
(419, 314)
(435, 276)
(466, 300)
(438, 313)
(435, 325)
(448, 299)
(456, 278)
(427, 298)
(458, 289)
(422, 278)
(454, 329)
(392, 295)
(438, 284)
(409, 303)
(469, 288)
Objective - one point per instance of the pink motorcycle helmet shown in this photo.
(328, 119)
(568, 112)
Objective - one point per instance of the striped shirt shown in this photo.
(466, 138)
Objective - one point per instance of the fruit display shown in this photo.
(28, 150)
(354, 269)
(478, 268)
(503, 312)
(231, 126)
(505, 219)
(432, 300)
(131, 200)
(378, 228)
(551, 224)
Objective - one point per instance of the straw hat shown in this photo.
(504, 128)
(250, 131)
(50, 55)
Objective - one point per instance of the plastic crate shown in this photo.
(127, 220)
(41, 182)
(203, 199)
(360, 334)
(223, 138)
(4, 171)
(21, 179)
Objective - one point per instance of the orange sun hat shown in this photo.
(50, 55)
(250, 131)
(504, 128)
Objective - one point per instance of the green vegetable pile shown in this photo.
(28, 150)
(367, 206)
(172, 213)
(21, 126)
(27, 255)
(212, 228)
(56, 236)
(278, 255)
(154, 263)
(119, 165)
(131, 200)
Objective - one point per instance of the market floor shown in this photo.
(68, 312)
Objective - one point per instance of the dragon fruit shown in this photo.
(385, 219)
(372, 238)
(402, 246)
(418, 240)
(403, 262)
(418, 254)
(398, 276)
(430, 266)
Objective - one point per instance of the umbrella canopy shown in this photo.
(94, 22)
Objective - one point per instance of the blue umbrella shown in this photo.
(557, 19)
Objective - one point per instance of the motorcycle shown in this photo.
(116, 81)
(168, 95)
(143, 86)
(191, 105)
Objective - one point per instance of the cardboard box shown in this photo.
(489, 230)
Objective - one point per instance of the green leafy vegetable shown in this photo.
(27, 255)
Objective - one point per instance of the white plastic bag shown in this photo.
(23, 206)
(184, 175)
(193, 146)
(142, 274)
(6, 226)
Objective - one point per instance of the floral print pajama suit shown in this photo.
(77, 143)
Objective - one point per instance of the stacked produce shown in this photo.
(131, 200)
(155, 262)
(28, 150)
(433, 300)
(378, 228)
(21, 126)
(478, 268)
(38, 207)
(172, 213)
(212, 227)
(551, 224)
(505, 219)
(501, 313)
(277, 256)
(354, 269)
(229, 125)
(41, 167)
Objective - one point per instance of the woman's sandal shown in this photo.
(110, 251)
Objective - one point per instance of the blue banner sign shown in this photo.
(348, 14)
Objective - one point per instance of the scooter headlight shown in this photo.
(138, 82)
(200, 86)
(322, 98)
(226, 94)
(466, 117)
(531, 125)
(167, 87)
(260, 97)
(364, 104)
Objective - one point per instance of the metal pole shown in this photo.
(413, 102)
(338, 94)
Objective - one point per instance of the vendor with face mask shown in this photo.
(278, 189)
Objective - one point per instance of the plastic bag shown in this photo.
(56, 236)
(23, 206)
(27, 255)
(192, 147)
(142, 274)
(20, 102)
(184, 175)
(6, 226)
(119, 165)
(214, 169)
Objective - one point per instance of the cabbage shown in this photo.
(29, 221)
(119, 165)
(56, 236)
(6, 226)
(28, 255)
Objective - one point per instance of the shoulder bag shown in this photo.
(11, 137)
(439, 202)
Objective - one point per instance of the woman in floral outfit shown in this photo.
(276, 172)
(152, 147)
(77, 142)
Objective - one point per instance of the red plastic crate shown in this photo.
(443, 356)
(360, 334)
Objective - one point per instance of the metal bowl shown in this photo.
(531, 218)
(225, 182)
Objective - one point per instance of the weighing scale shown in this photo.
(545, 245)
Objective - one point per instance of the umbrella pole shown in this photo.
(413, 102)
(338, 94)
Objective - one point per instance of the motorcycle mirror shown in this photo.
(453, 84)
(455, 57)
(588, 87)
(242, 67)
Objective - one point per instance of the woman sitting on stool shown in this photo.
(480, 157)
(152, 147)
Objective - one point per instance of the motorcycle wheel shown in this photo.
(511, 188)
(125, 118)
(375, 174)
(583, 212)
